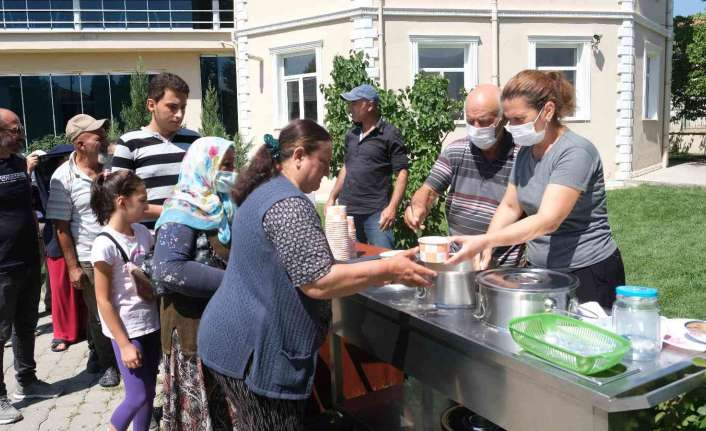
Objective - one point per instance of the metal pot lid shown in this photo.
(527, 279)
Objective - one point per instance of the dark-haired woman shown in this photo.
(558, 182)
(193, 241)
(261, 330)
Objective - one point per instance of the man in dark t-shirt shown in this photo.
(375, 151)
(19, 269)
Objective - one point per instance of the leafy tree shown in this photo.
(211, 124)
(423, 114)
(689, 67)
(347, 73)
(135, 114)
(113, 132)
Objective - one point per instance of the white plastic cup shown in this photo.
(434, 249)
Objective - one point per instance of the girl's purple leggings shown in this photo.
(139, 385)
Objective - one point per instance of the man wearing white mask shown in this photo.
(475, 171)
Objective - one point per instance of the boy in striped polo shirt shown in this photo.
(155, 151)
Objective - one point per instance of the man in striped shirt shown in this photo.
(155, 151)
(475, 170)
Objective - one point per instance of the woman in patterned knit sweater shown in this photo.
(193, 241)
(261, 330)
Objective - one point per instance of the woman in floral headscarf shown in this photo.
(193, 241)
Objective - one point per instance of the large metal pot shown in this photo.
(507, 293)
(454, 286)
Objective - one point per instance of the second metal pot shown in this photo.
(507, 293)
(454, 286)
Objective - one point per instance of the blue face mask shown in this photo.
(225, 180)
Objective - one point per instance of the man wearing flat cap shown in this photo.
(76, 227)
(375, 152)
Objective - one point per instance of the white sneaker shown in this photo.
(8, 413)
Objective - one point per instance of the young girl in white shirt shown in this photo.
(128, 314)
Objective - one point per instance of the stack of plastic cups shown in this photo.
(351, 234)
(337, 232)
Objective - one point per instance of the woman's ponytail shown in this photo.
(537, 87)
(261, 168)
(564, 94)
(106, 187)
(268, 158)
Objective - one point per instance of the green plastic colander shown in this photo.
(569, 343)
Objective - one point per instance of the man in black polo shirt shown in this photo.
(374, 152)
(19, 269)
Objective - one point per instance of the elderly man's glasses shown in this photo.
(19, 130)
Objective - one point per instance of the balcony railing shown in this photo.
(116, 19)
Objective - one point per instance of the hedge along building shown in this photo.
(63, 57)
(615, 52)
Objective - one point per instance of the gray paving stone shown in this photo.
(83, 406)
(57, 418)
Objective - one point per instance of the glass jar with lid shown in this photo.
(636, 317)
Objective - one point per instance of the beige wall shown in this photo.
(186, 65)
(262, 12)
(647, 134)
(547, 5)
(655, 10)
(337, 41)
(600, 130)
(398, 52)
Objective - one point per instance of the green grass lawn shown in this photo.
(661, 232)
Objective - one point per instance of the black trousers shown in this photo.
(97, 342)
(598, 281)
(20, 289)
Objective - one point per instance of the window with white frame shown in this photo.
(571, 57)
(651, 94)
(453, 58)
(297, 95)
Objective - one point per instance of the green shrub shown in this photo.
(47, 142)
(135, 114)
(242, 148)
(423, 114)
(211, 124)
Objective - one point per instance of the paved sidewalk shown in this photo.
(84, 405)
(685, 174)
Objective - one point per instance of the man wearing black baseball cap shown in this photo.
(375, 152)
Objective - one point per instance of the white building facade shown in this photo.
(616, 53)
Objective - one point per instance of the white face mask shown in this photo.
(524, 135)
(481, 137)
(225, 180)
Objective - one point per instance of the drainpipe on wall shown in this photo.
(381, 42)
(495, 78)
(667, 95)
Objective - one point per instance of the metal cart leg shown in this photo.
(336, 371)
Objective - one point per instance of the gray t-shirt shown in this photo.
(584, 237)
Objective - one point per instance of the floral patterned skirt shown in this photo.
(193, 400)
